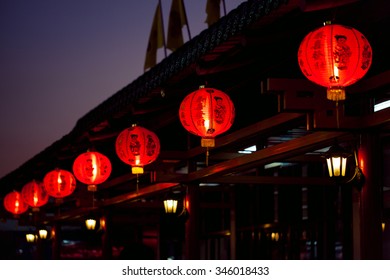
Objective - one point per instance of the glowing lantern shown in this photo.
(42, 233)
(31, 238)
(14, 203)
(90, 224)
(170, 206)
(92, 168)
(334, 56)
(59, 183)
(34, 194)
(137, 146)
(336, 159)
(207, 112)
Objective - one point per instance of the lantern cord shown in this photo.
(137, 184)
(337, 114)
(207, 156)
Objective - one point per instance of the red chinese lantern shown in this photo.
(14, 203)
(335, 56)
(207, 112)
(59, 183)
(34, 194)
(137, 146)
(92, 168)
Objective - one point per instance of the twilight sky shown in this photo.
(59, 59)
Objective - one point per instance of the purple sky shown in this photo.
(60, 59)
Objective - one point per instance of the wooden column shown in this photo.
(105, 224)
(56, 241)
(233, 226)
(192, 227)
(370, 161)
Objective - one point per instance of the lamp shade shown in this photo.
(42, 233)
(207, 112)
(92, 168)
(170, 206)
(30, 237)
(137, 146)
(34, 194)
(90, 224)
(336, 160)
(14, 203)
(334, 56)
(59, 183)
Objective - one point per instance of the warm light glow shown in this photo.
(336, 160)
(337, 166)
(335, 72)
(30, 237)
(207, 112)
(59, 183)
(14, 204)
(103, 223)
(334, 56)
(42, 233)
(343, 166)
(187, 203)
(275, 236)
(36, 199)
(206, 124)
(383, 226)
(137, 170)
(94, 167)
(90, 223)
(336, 163)
(170, 206)
(329, 164)
(137, 146)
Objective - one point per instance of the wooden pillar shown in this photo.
(233, 227)
(347, 221)
(192, 226)
(330, 203)
(105, 224)
(56, 241)
(370, 162)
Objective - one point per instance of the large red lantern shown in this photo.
(207, 112)
(59, 183)
(335, 56)
(137, 146)
(34, 194)
(14, 203)
(92, 168)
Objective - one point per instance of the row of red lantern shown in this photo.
(57, 183)
(205, 112)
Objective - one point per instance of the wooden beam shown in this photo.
(278, 152)
(271, 180)
(263, 127)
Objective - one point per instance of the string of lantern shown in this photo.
(333, 56)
